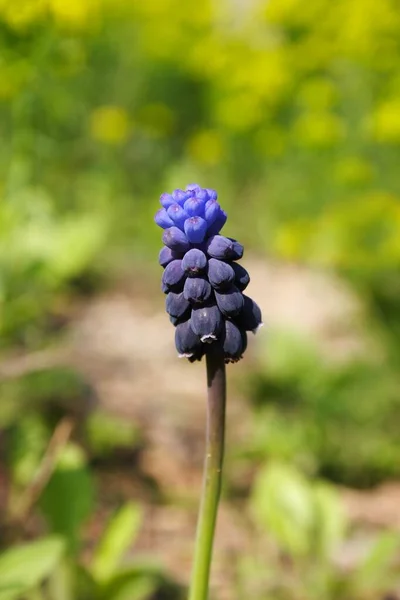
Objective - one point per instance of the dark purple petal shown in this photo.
(167, 255)
(218, 224)
(166, 200)
(180, 196)
(176, 305)
(207, 322)
(250, 317)
(220, 274)
(197, 289)
(194, 262)
(231, 302)
(178, 215)
(195, 229)
(194, 207)
(163, 219)
(224, 248)
(175, 239)
(242, 278)
(212, 210)
(186, 341)
(212, 194)
(193, 187)
(234, 342)
(173, 277)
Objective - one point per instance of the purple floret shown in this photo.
(195, 229)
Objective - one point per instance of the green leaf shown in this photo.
(74, 244)
(377, 568)
(69, 496)
(28, 565)
(119, 535)
(139, 588)
(282, 502)
(29, 437)
(106, 432)
(133, 583)
(330, 521)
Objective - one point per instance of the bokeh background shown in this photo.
(291, 110)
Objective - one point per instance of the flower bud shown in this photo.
(167, 255)
(175, 239)
(194, 262)
(201, 194)
(193, 187)
(163, 219)
(176, 305)
(177, 215)
(186, 341)
(194, 207)
(197, 289)
(224, 248)
(212, 194)
(212, 209)
(166, 200)
(195, 229)
(250, 317)
(234, 342)
(230, 302)
(242, 278)
(173, 277)
(220, 274)
(180, 196)
(206, 322)
(218, 224)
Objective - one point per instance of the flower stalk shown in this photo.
(204, 286)
(212, 476)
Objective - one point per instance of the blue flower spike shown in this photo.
(203, 282)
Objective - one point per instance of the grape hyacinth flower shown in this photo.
(204, 286)
(201, 263)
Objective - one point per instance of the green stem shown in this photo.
(216, 385)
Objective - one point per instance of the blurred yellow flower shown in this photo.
(291, 239)
(74, 13)
(361, 233)
(386, 122)
(206, 147)
(110, 125)
(318, 129)
(317, 94)
(239, 112)
(19, 14)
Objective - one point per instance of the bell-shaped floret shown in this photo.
(194, 262)
(186, 341)
(207, 322)
(250, 317)
(224, 248)
(195, 229)
(175, 239)
(197, 289)
(220, 274)
(234, 342)
(230, 302)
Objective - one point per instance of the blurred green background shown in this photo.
(291, 110)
